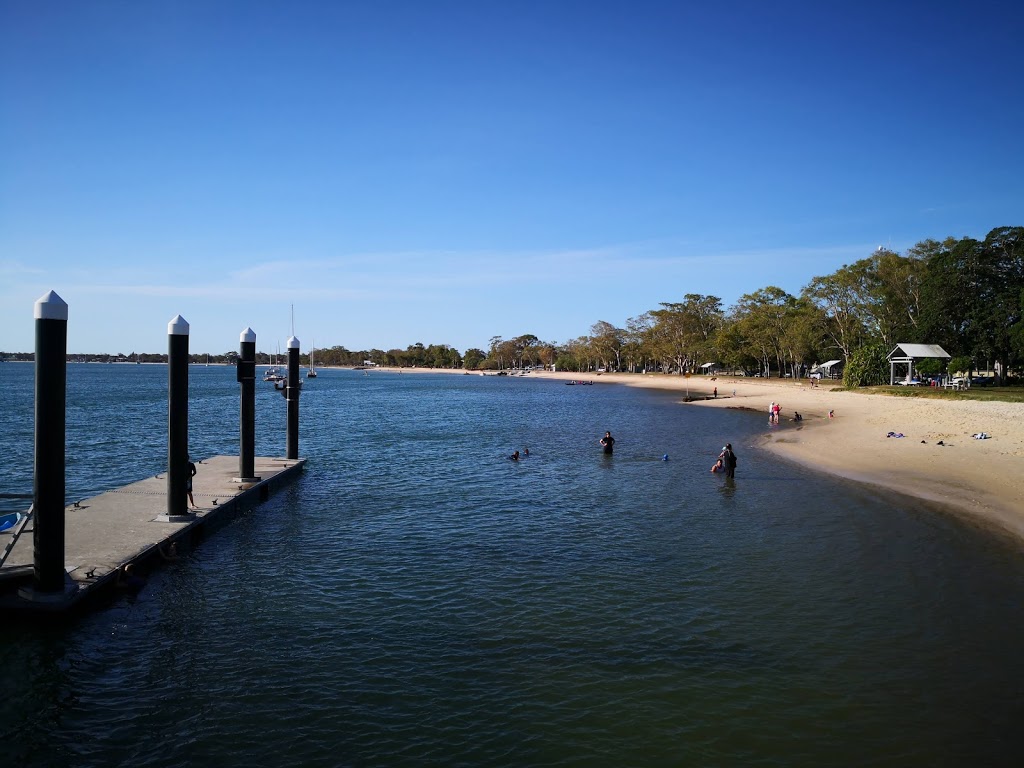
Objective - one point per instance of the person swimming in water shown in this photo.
(515, 456)
(608, 442)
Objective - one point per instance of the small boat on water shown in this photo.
(273, 373)
(311, 373)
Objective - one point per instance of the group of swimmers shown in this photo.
(726, 459)
(607, 443)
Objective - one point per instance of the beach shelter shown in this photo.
(906, 354)
(709, 368)
(827, 369)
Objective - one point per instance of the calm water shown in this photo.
(417, 599)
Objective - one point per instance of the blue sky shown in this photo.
(445, 172)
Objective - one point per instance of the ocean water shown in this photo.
(417, 599)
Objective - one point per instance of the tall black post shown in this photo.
(247, 414)
(177, 417)
(292, 396)
(51, 314)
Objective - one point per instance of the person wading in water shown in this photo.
(608, 442)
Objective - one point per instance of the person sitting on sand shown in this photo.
(797, 416)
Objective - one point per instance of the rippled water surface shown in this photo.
(418, 599)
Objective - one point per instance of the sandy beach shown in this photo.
(982, 479)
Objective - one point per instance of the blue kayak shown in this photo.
(9, 520)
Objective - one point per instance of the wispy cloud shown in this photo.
(369, 276)
(10, 269)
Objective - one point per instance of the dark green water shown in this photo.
(417, 599)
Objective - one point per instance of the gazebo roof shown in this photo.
(919, 351)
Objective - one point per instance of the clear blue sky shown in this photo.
(444, 172)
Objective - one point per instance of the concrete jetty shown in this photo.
(128, 525)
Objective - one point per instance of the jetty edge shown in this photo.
(129, 526)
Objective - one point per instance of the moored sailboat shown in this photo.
(311, 373)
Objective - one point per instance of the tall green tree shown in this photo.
(607, 341)
(684, 331)
(970, 296)
(473, 358)
(841, 297)
(762, 318)
(892, 294)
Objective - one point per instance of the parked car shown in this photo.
(980, 381)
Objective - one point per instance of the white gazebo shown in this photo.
(709, 368)
(826, 369)
(907, 354)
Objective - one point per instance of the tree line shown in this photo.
(964, 294)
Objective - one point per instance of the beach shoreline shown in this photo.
(979, 479)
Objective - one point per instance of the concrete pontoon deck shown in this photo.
(129, 524)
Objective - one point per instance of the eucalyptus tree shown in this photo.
(762, 318)
(841, 297)
(734, 349)
(500, 352)
(575, 354)
(802, 335)
(547, 353)
(685, 330)
(637, 348)
(607, 341)
(524, 350)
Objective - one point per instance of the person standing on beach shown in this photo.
(771, 412)
(728, 460)
(608, 442)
